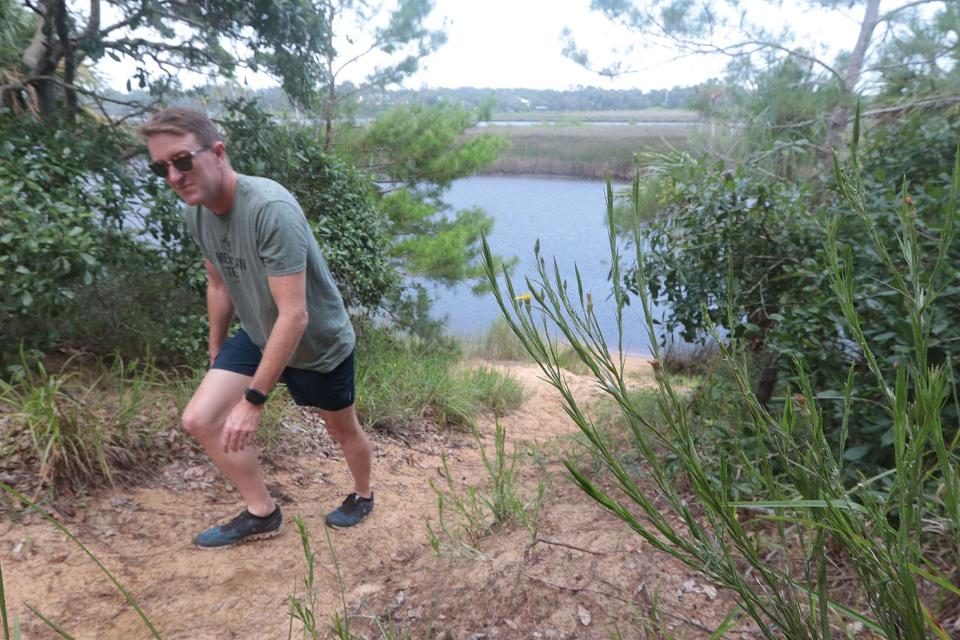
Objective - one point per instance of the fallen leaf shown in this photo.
(584, 615)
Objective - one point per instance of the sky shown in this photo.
(517, 43)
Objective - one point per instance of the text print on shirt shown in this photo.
(230, 264)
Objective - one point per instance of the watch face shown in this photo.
(255, 397)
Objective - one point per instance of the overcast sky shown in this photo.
(517, 43)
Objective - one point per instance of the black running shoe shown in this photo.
(352, 511)
(243, 528)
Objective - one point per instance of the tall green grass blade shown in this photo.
(934, 625)
(116, 583)
(341, 627)
(3, 608)
(943, 583)
(50, 623)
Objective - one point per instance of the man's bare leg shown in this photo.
(204, 418)
(345, 429)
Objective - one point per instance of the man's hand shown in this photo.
(240, 427)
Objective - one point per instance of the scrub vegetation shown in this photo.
(795, 450)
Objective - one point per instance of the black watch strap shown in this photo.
(255, 396)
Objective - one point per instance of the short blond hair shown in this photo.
(181, 121)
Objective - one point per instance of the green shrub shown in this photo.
(401, 380)
(84, 231)
(735, 234)
(774, 553)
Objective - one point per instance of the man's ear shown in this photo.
(219, 149)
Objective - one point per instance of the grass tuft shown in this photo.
(401, 381)
(69, 429)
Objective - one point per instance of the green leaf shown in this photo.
(856, 453)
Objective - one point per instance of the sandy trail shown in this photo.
(587, 574)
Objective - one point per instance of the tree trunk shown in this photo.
(69, 63)
(43, 55)
(330, 106)
(838, 120)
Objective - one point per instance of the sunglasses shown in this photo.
(182, 163)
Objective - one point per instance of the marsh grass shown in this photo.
(632, 116)
(494, 391)
(583, 150)
(500, 343)
(568, 359)
(808, 516)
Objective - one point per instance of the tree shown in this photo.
(161, 39)
(414, 152)
(400, 44)
(726, 27)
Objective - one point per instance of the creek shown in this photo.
(569, 219)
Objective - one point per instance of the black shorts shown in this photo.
(330, 391)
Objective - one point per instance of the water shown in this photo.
(569, 219)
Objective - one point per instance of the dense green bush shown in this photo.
(94, 252)
(81, 226)
(737, 235)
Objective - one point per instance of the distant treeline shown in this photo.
(503, 100)
(580, 99)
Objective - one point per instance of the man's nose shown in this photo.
(173, 174)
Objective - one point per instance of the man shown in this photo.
(263, 264)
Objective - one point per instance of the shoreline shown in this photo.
(598, 173)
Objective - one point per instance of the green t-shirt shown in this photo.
(266, 234)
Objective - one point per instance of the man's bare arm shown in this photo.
(219, 309)
(290, 295)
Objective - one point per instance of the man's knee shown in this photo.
(342, 425)
(195, 423)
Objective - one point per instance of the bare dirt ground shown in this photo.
(585, 576)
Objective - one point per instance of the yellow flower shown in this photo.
(524, 297)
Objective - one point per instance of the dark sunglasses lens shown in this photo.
(159, 168)
(183, 163)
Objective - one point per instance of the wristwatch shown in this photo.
(255, 396)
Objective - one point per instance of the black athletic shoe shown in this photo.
(352, 511)
(243, 528)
